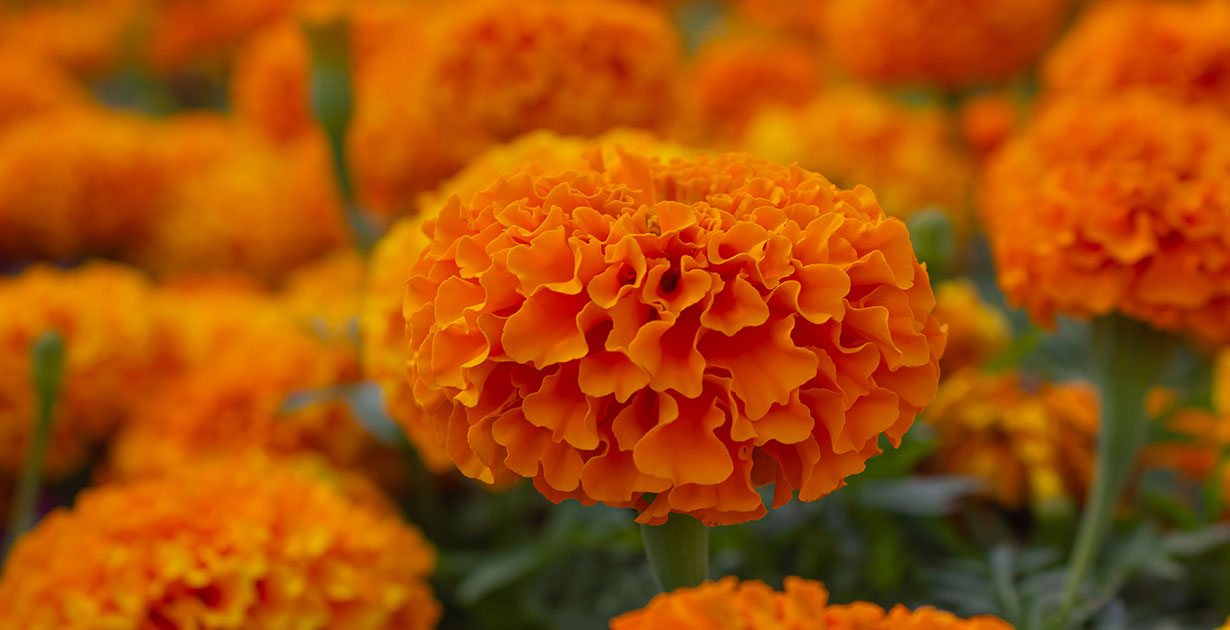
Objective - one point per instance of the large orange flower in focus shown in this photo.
(1029, 442)
(490, 70)
(689, 329)
(803, 605)
(1116, 205)
(236, 543)
(951, 43)
(1179, 50)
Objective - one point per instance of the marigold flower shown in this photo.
(1178, 50)
(235, 543)
(256, 208)
(104, 315)
(1104, 206)
(1029, 442)
(77, 182)
(269, 387)
(731, 79)
(689, 330)
(490, 71)
(951, 44)
(976, 331)
(732, 605)
(857, 136)
(30, 85)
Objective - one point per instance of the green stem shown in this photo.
(332, 100)
(1128, 357)
(678, 552)
(47, 360)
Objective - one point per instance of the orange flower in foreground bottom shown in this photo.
(1116, 205)
(731, 605)
(234, 544)
(690, 330)
(1030, 443)
(948, 43)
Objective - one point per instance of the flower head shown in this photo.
(689, 329)
(976, 331)
(490, 70)
(857, 136)
(1178, 50)
(803, 605)
(1030, 443)
(103, 313)
(235, 543)
(1104, 206)
(951, 44)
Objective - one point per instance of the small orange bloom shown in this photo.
(944, 42)
(491, 70)
(1177, 50)
(803, 605)
(689, 330)
(1030, 443)
(237, 543)
(731, 79)
(1116, 205)
(976, 331)
(857, 136)
(104, 314)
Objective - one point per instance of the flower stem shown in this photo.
(678, 552)
(1127, 358)
(47, 361)
(332, 101)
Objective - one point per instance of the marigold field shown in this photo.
(625, 314)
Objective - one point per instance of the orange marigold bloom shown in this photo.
(976, 331)
(490, 70)
(943, 42)
(732, 605)
(731, 79)
(1120, 205)
(253, 208)
(1178, 50)
(382, 331)
(30, 85)
(104, 314)
(232, 544)
(691, 330)
(857, 136)
(77, 182)
(1029, 442)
